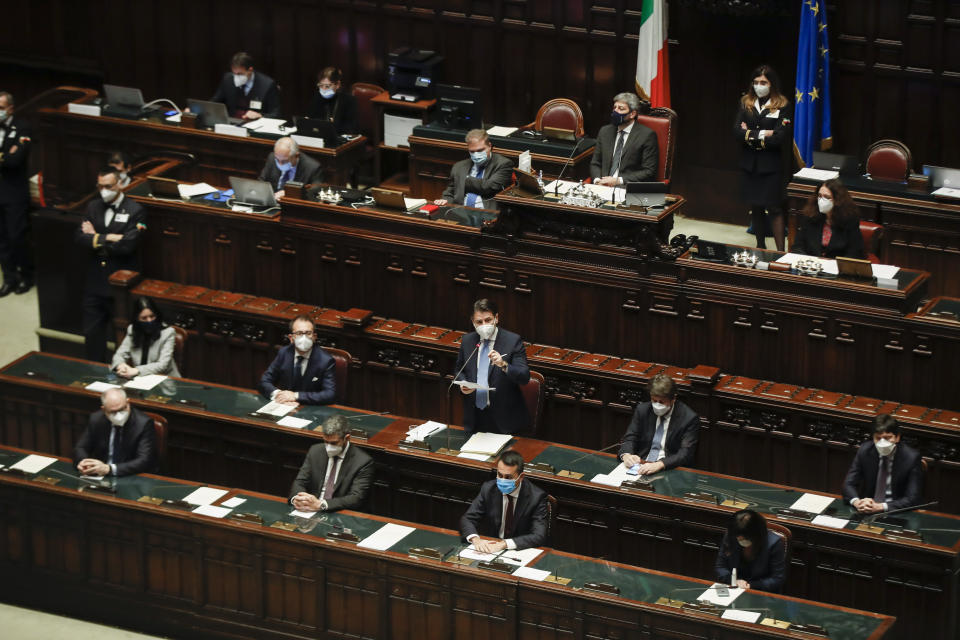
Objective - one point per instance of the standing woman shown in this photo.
(764, 129)
(149, 344)
(830, 225)
(332, 104)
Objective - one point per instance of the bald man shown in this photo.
(118, 441)
(286, 163)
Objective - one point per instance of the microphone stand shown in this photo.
(446, 450)
(576, 475)
(556, 184)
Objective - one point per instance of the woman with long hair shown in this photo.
(830, 224)
(754, 551)
(148, 346)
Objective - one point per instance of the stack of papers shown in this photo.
(205, 496)
(712, 596)
(741, 616)
(386, 536)
(423, 431)
(413, 203)
(488, 444)
(276, 409)
(466, 384)
(33, 463)
(100, 387)
(199, 189)
(290, 421)
(830, 521)
(520, 558)
(820, 175)
(613, 478)
(812, 503)
(501, 131)
(471, 553)
(145, 383)
(272, 126)
(212, 511)
(531, 573)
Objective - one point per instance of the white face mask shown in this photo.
(4, 114)
(240, 79)
(303, 343)
(743, 542)
(123, 176)
(333, 450)
(762, 90)
(119, 418)
(108, 195)
(660, 409)
(825, 205)
(885, 447)
(485, 331)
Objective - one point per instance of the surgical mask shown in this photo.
(743, 542)
(108, 195)
(660, 409)
(150, 328)
(327, 93)
(333, 450)
(506, 485)
(617, 118)
(478, 157)
(762, 90)
(283, 166)
(303, 343)
(119, 418)
(885, 447)
(240, 79)
(485, 331)
(825, 205)
(4, 115)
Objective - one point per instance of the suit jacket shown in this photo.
(14, 165)
(497, 174)
(134, 450)
(846, 240)
(340, 109)
(506, 402)
(906, 475)
(639, 161)
(308, 171)
(530, 515)
(765, 155)
(159, 354)
(353, 480)
(767, 572)
(264, 90)
(129, 220)
(318, 384)
(682, 434)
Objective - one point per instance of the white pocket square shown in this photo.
(314, 380)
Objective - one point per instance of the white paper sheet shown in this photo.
(199, 189)
(482, 457)
(291, 421)
(386, 536)
(396, 129)
(231, 130)
(821, 175)
(466, 384)
(145, 383)
(887, 271)
(413, 203)
(531, 574)
(742, 616)
(233, 502)
(303, 514)
(423, 431)
(525, 162)
(472, 554)
(33, 463)
(711, 595)
(488, 443)
(212, 511)
(270, 126)
(501, 131)
(276, 408)
(100, 387)
(812, 503)
(830, 521)
(205, 495)
(83, 109)
(947, 192)
(606, 479)
(519, 557)
(308, 141)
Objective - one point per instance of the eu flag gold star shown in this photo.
(823, 51)
(815, 8)
(799, 96)
(814, 94)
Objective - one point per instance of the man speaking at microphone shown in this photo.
(662, 433)
(118, 441)
(497, 359)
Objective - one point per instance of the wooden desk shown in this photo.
(165, 570)
(676, 527)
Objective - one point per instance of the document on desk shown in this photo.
(712, 596)
(830, 521)
(466, 384)
(607, 479)
(199, 189)
(413, 203)
(231, 130)
(820, 175)
(277, 409)
(488, 443)
(233, 502)
(559, 186)
(531, 574)
(887, 271)
(386, 536)
(812, 503)
(501, 131)
(519, 557)
(145, 383)
(205, 495)
(741, 616)
(291, 421)
(471, 553)
(308, 141)
(272, 126)
(33, 463)
(425, 430)
(212, 511)
(100, 387)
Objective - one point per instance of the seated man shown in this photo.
(509, 509)
(626, 150)
(334, 475)
(248, 94)
(121, 162)
(286, 163)
(118, 440)
(886, 474)
(302, 373)
(474, 181)
(662, 433)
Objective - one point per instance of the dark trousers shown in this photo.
(15, 258)
(97, 316)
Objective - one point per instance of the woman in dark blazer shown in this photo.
(330, 103)
(764, 128)
(830, 224)
(756, 553)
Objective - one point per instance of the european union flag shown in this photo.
(811, 123)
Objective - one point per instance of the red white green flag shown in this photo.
(653, 76)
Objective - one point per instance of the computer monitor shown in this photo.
(843, 164)
(318, 128)
(252, 192)
(209, 113)
(942, 177)
(459, 107)
(123, 96)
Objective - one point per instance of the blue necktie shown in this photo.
(113, 440)
(286, 176)
(655, 445)
(483, 372)
(472, 198)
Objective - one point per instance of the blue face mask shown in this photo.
(506, 486)
(286, 166)
(327, 93)
(478, 157)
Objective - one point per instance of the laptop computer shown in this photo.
(164, 187)
(846, 165)
(318, 128)
(528, 182)
(252, 192)
(122, 102)
(211, 113)
(390, 199)
(942, 177)
(556, 133)
(633, 199)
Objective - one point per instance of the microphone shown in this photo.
(465, 363)
(556, 184)
(883, 514)
(557, 577)
(91, 482)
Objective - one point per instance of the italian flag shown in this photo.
(653, 73)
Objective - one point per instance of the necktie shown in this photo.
(617, 154)
(883, 478)
(483, 372)
(298, 374)
(508, 519)
(285, 177)
(654, 454)
(113, 443)
(472, 198)
(331, 479)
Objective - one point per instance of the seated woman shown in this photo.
(148, 346)
(755, 552)
(830, 224)
(330, 103)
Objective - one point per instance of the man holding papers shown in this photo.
(302, 373)
(510, 509)
(496, 361)
(886, 474)
(118, 440)
(663, 432)
(335, 474)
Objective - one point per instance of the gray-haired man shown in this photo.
(335, 474)
(626, 150)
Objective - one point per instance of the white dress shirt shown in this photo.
(503, 517)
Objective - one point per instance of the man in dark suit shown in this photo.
(15, 258)
(662, 433)
(510, 509)
(118, 440)
(248, 94)
(886, 474)
(302, 373)
(626, 150)
(474, 181)
(494, 358)
(110, 229)
(335, 474)
(286, 163)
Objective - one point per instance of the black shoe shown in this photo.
(23, 287)
(8, 288)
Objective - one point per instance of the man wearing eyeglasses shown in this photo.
(302, 372)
